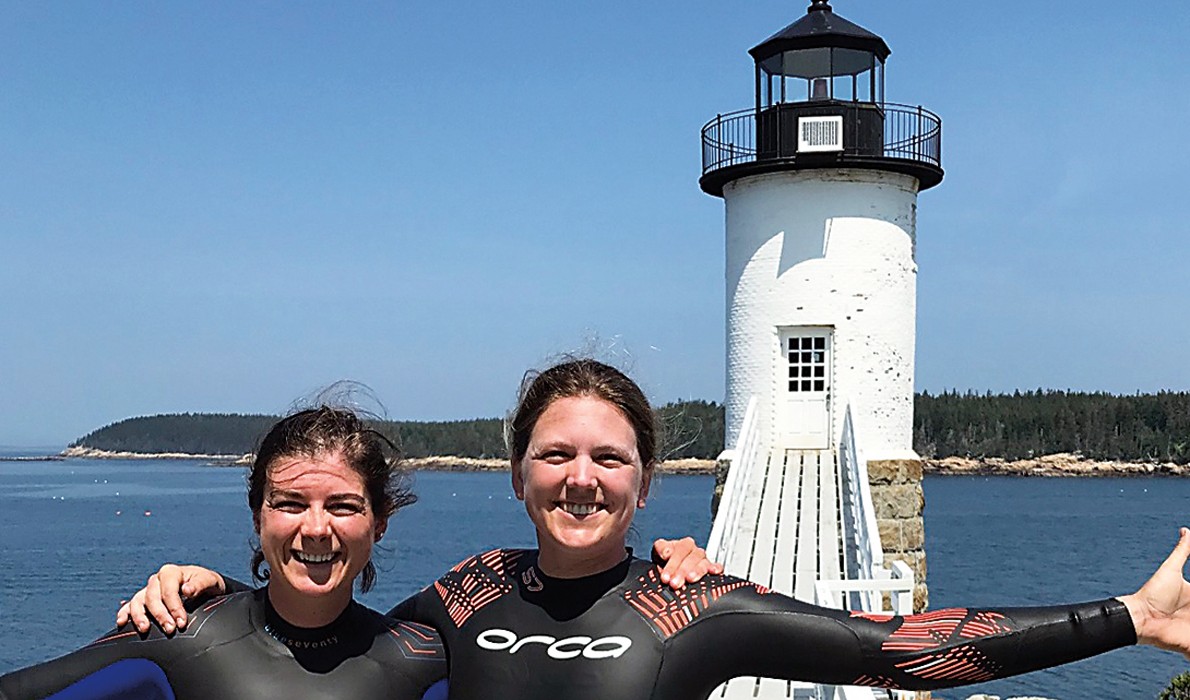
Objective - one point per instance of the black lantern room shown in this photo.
(820, 57)
(820, 103)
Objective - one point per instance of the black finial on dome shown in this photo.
(819, 6)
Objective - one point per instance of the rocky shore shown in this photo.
(1056, 465)
(445, 463)
(471, 464)
(92, 453)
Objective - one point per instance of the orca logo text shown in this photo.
(565, 648)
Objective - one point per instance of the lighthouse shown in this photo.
(820, 179)
(821, 494)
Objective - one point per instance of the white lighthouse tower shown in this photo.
(822, 498)
(820, 181)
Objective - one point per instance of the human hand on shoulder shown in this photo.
(683, 561)
(1160, 610)
(161, 598)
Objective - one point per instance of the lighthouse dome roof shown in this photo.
(819, 28)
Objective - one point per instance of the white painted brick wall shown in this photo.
(825, 248)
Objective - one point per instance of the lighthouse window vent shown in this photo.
(819, 134)
(807, 364)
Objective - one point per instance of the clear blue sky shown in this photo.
(222, 206)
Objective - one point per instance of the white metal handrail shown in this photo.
(898, 582)
(743, 459)
(863, 554)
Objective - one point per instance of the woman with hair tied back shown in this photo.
(580, 617)
(321, 490)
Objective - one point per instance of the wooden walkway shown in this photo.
(788, 538)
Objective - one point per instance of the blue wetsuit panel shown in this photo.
(129, 679)
(438, 691)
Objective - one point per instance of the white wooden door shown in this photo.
(804, 388)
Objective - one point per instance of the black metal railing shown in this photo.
(910, 133)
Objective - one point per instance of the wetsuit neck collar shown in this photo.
(616, 572)
(296, 637)
(567, 598)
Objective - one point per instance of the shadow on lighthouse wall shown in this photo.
(801, 210)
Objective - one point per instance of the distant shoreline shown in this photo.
(444, 463)
(470, 464)
(92, 453)
(1063, 465)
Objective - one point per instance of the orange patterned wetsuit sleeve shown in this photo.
(778, 637)
(668, 611)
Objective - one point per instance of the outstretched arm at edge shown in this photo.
(753, 632)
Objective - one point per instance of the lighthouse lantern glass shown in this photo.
(825, 73)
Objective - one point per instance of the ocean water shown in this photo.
(1030, 541)
(78, 535)
(81, 534)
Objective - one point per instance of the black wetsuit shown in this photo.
(513, 632)
(238, 647)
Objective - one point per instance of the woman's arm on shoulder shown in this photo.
(163, 599)
(682, 561)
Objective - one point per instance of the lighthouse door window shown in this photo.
(807, 364)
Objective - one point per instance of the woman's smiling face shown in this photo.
(581, 480)
(316, 526)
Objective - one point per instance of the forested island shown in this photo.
(988, 428)
(692, 429)
(1027, 425)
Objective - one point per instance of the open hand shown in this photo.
(1161, 608)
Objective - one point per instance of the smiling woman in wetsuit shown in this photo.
(321, 490)
(580, 616)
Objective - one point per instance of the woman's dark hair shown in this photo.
(322, 431)
(581, 377)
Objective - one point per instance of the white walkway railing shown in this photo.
(866, 581)
(743, 459)
(863, 554)
(802, 522)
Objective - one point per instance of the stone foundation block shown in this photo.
(913, 534)
(894, 471)
(898, 502)
(891, 539)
